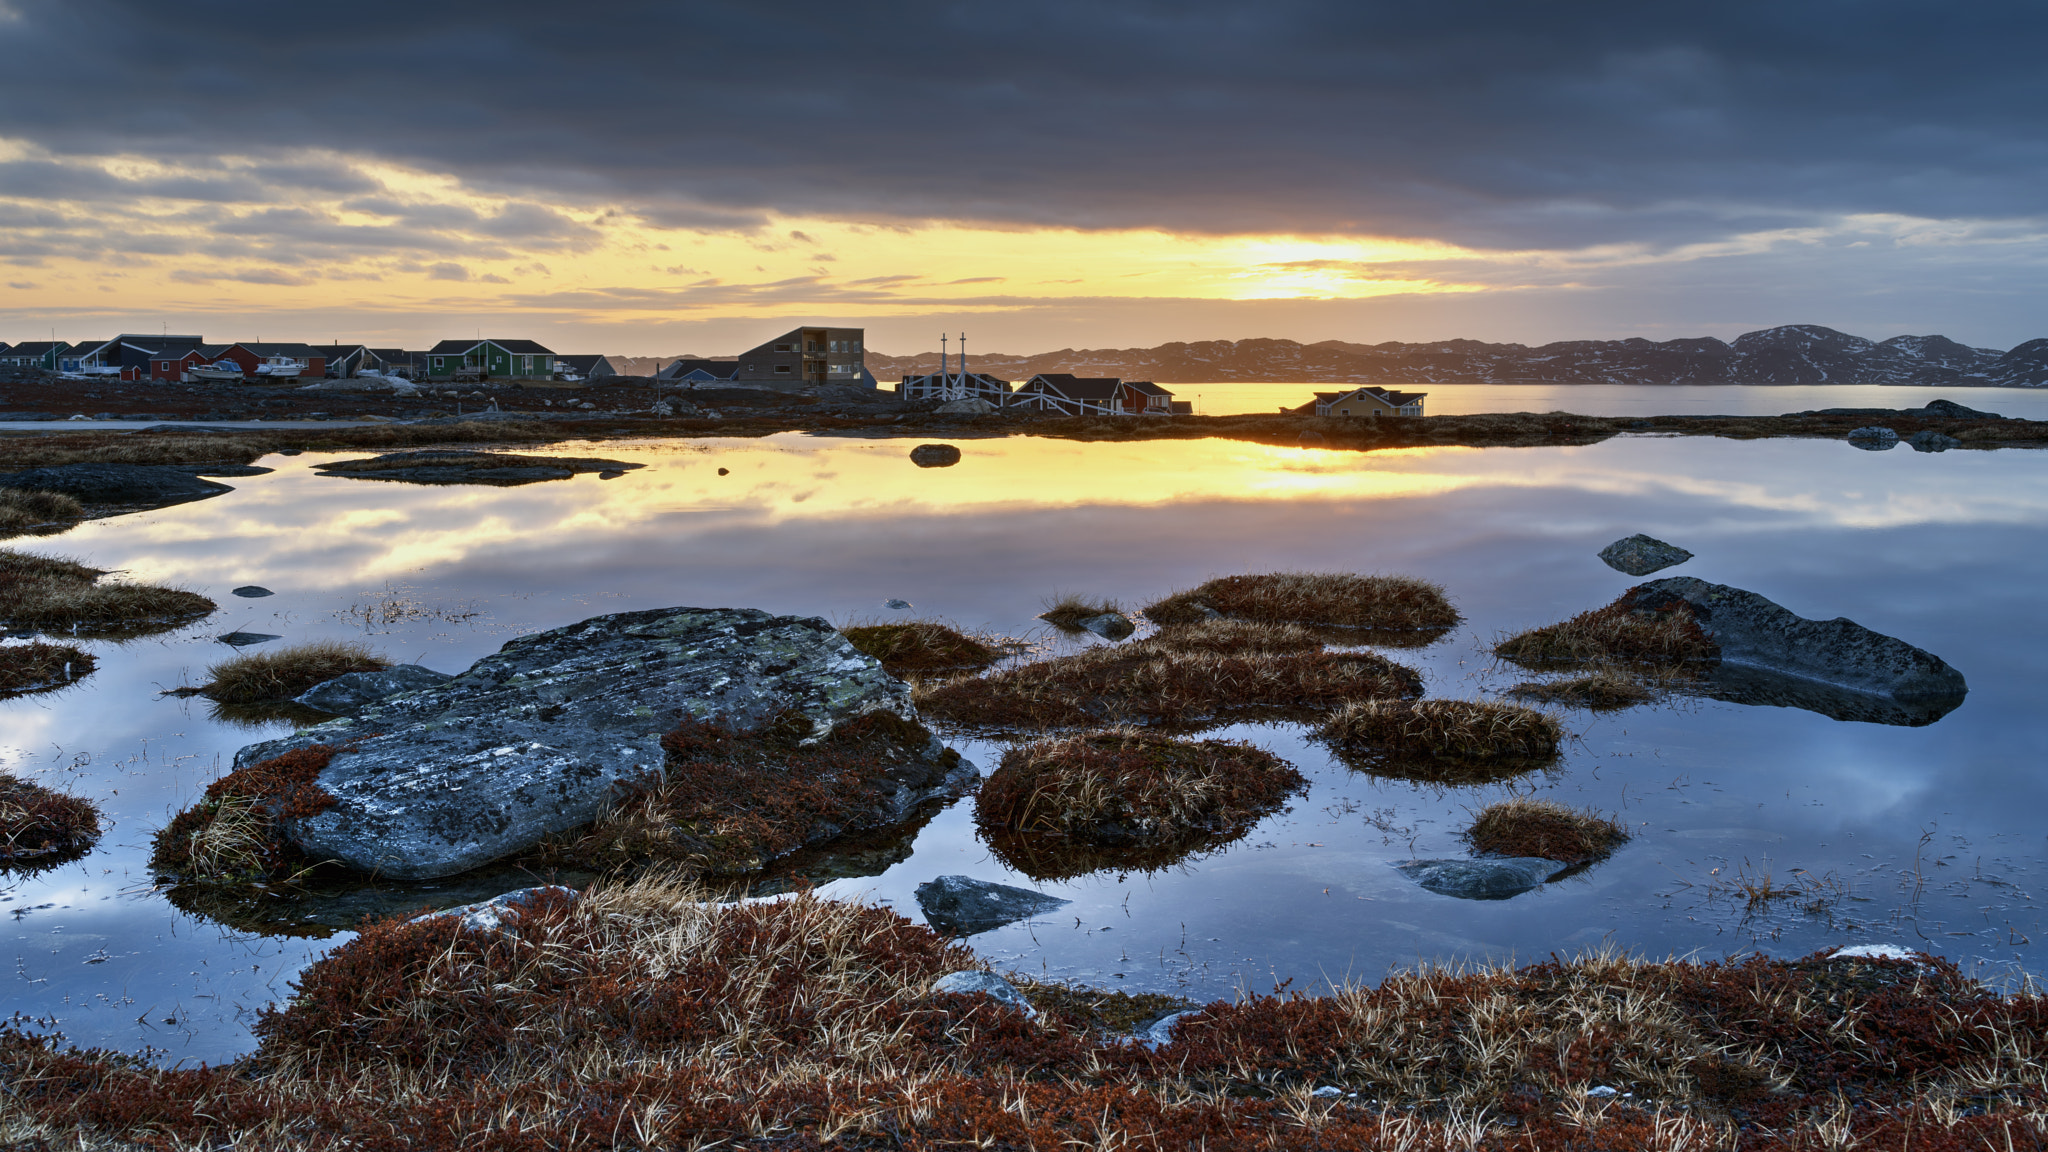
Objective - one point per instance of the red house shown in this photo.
(171, 364)
(311, 361)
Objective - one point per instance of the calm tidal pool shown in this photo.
(1930, 836)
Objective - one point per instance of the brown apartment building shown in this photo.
(807, 357)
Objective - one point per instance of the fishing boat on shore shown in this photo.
(279, 368)
(218, 372)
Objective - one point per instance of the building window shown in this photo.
(782, 369)
(785, 347)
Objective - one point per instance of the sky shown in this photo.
(661, 178)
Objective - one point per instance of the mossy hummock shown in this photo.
(39, 826)
(50, 594)
(284, 673)
(914, 646)
(1396, 610)
(40, 667)
(232, 835)
(1546, 829)
(646, 1016)
(1446, 739)
(1621, 632)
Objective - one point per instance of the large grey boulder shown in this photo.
(538, 737)
(1873, 438)
(1753, 631)
(350, 694)
(116, 483)
(964, 906)
(1484, 879)
(1640, 555)
(1954, 411)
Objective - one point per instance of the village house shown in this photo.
(310, 361)
(808, 357)
(170, 364)
(492, 359)
(1094, 396)
(585, 367)
(1363, 403)
(39, 353)
(699, 371)
(344, 361)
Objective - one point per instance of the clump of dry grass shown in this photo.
(1125, 800)
(1124, 784)
(233, 836)
(50, 594)
(283, 673)
(643, 1015)
(1069, 610)
(37, 824)
(1601, 690)
(1479, 731)
(923, 646)
(132, 448)
(1617, 633)
(1528, 827)
(1237, 638)
(25, 511)
(39, 667)
(1151, 681)
(1379, 603)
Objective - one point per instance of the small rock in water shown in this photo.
(253, 591)
(972, 983)
(1481, 879)
(1928, 440)
(1873, 438)
(724, 471)
(244, 639)
(489, 915)
(1873, 952)
(1109, 625)
(1640, 555)
(964, 906)
(895, 605)
(610, 474)
(349, 694)
(934, 455)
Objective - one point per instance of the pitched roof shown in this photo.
(716, 369)
(288, 348)
(452, 347)
(523, 347)
(584, 362)
(1078, 387)
(336, 351)
(38, 347)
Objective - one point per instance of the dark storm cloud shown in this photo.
(1483, 121)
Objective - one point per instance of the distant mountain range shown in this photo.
(1793, 354)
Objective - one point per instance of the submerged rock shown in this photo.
(1640, 555)
(973, 983)
(116, 483)
(1873, 438)
(540, 736)
(253, 592)
(1762, 687)
(244, 639)
(489, 915)
(934, 455)
(1753, 631)
(1928, 440)
(965, 906)
(1109, 625)
(350, 694)
(1495, 879)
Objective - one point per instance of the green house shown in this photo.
(494, 359)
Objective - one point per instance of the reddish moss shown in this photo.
(1621, 632)
(39, 667)
(232, 835)
(731, 801)
(38, 825)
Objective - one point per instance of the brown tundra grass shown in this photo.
(37, 824)
(643, 1016)
(923, 646)
(1124, 784)
(1472, 730)
(1155, 681)
(25, 511)
(1069, 610)
(1380, 603)
(1616, 633)
(281, 674)
(232, 836)
(53, 595)
(1602, 690)
(39, 667)
(1545, 828)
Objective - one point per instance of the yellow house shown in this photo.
(1365, 403)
